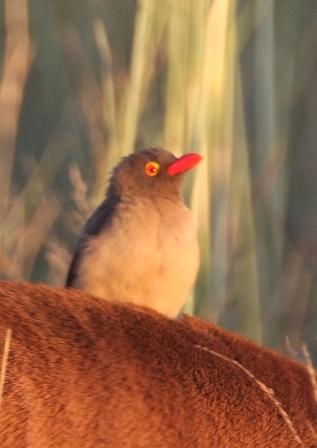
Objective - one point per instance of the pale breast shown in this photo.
(148, 256)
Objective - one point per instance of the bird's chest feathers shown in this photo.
(146, 234)
(144, 243)
(149, 255)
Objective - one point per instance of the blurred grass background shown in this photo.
(83, 82)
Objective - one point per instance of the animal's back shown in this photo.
(90, 373)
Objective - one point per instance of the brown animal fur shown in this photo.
(87, 373)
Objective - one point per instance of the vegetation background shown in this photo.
(83, 82)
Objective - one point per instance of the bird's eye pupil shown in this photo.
(151, 168)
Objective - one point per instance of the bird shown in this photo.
(140, 244)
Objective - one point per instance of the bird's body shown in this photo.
(140, 244)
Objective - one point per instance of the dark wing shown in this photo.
(99, 221)
(72, 271)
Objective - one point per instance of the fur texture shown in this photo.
(84, 372)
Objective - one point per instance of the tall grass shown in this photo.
(188, 76)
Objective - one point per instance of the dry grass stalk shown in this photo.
(18, 57)
(58, 259)
(79, 193)
(8, 268)
(312, 430)
(311, 370)
(268, 391)
(138, 80)
(4, 362)
(290, 349)
(36, 231)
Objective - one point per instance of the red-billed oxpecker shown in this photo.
(140, 244)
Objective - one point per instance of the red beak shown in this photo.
(184, 163)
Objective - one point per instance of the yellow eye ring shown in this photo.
(152, 168)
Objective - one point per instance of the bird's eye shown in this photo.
(151, 168)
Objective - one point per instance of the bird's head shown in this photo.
(151, 172)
